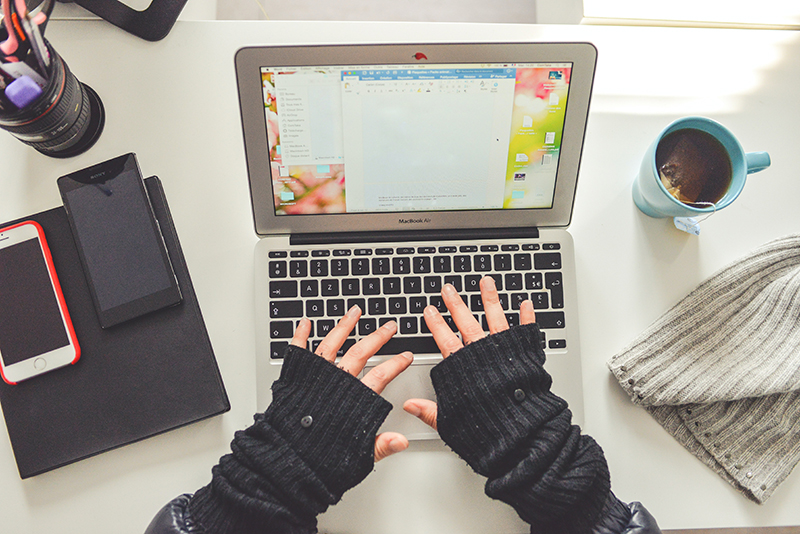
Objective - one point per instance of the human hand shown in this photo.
(470, 329)
(353, 362)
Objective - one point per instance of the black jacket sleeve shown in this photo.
(497, 412)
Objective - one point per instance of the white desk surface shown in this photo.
(174, 103)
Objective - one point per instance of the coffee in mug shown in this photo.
(693, 166)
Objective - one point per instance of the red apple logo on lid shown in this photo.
(419, 56)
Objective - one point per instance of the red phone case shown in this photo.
(51, 269)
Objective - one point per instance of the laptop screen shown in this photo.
(441, 136)
(414, 137)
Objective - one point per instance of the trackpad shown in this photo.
(413, 383)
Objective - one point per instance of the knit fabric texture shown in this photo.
(720, 371)
(315, 441)
(496, 411)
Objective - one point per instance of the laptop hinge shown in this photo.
(329, 238)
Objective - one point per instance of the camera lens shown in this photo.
(65, 120)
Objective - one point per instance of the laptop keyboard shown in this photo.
(397, 284)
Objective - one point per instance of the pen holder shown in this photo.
(65, 120)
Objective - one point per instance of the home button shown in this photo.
(39, 363)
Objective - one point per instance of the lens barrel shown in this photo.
(65, 120)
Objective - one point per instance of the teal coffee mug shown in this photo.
(694, 167)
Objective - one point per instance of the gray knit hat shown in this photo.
(720, 371)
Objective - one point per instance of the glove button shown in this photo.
(519, 395)
(306, 421)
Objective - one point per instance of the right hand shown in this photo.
(470, 329)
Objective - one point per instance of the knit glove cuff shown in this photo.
(492, 395)
(315, 441)
(328, 416)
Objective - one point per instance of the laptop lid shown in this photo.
(346, 138)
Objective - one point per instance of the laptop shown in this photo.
(380, 172)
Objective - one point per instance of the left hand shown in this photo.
(355, 359)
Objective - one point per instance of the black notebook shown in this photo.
(135, 380)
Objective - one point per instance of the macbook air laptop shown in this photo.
(378, 173)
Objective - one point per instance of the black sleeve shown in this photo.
(497, 412)
(315, 441)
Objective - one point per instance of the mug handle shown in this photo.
(757, 161)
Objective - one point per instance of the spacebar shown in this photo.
(417, 345)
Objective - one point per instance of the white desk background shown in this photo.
(174, 103)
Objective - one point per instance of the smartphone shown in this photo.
(36, 333)
(124, 257)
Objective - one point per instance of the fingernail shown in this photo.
(353, 312)
(490, 280)
(449, 289)
(390, 325)
(429, 310)
(397, 445)
(413, 409)
(407, 355)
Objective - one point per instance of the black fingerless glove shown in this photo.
(496, 411)
(315, 441)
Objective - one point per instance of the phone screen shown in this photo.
(123, 253)
(30, 319)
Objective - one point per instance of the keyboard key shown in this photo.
(320, 253)
(281, 329)
(533, 281)
(401, 265)
(283, 289)
(462, 264)
(406, 250)
(299, 254)
(376, 306)
(384, 251)
(340, 267)
(361, 303)
(345, 347)
(380, 265)
(415, 344)
(454, 280)
(483, 262)
(468, 248)
(426, 250)
(412, 285)
(472, 282)
(476, 303)
(277, 348)
(408, 325)
(550, 319)
(502, 262)
(517, 299)
(547, 261)
(277, 254)
(417, 304)
(350, 286)
(277, 269)
(391, 286)
(498, 281)
(432, 284)
(366, 326)
(489, 248)
(540, 301)
(513, 281)
(557, 343)
(341, 252)
(422, 264)
(315, 308)
(522, 262)
(438, 302)
(363, 252)
(279, 309)
(335, 307)
(551, 246)
(509, 248)
(309, 288)
(371, 286)
(553, 282)
(330, 288)
(447, 250)
(360, 266)
(531, 246)
(298, 268)
(441, 264)
(319, 267)
(398, 306)
(324, 326)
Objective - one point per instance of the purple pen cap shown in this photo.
(22, 91)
